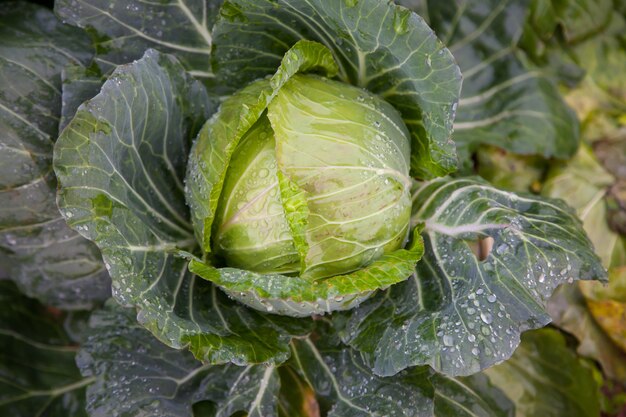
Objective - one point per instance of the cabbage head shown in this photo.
(299, 189)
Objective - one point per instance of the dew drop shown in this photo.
(486, 317)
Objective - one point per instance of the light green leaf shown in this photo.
(296, 214)
(46, 259)
(121, 162)
(471, 396)
(459, 314)
(135, 374)
(379, 46)
(341, 378)
(219, 137)
(348, 151)
(502, 103)
(39, 376)
(300, 297)
(545, 378)
(123, 30)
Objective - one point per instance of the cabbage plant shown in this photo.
(282, 198)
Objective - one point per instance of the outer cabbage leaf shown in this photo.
(39, 376)
(121, 162)
(123, 30)
(459, 314)
(545, 378)
(45, 258)
(471, 396)
(379, 46)
(341, 379)
(502, 103)
(79, 84)
(137, 375)
(347, 387)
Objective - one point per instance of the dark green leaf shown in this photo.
(459, 314)
(472, 396)
(38, 376)
(296, 398)
(580, 19)
(545, 378)
(123, 30)
(121, 163)
(137, 375)
(339, 376)
(79, 84)
(47, 260)
(552, 24)
(379, 46)
(502, 103)
(507, 171)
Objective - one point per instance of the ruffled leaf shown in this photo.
(300, 297)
